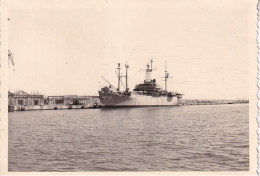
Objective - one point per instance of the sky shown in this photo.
(61, 51)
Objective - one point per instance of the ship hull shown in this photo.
(136, 100)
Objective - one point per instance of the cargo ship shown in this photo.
(144, 94)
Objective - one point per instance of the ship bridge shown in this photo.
(148, 86)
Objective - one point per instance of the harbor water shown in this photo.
(185, 138)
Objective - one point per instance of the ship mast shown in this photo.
(151, 65)
(166, 76)
(126, 78)
(119, 77)
(148, 71)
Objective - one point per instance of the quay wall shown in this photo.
(183, 102)
(51, 107)
(188, 102)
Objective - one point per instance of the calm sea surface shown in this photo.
(187, 138)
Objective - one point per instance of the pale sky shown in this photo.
(66, 51)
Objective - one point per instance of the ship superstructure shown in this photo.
(147, 93)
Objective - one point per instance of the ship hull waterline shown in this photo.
(111, 99)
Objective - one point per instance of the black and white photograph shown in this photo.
(129, 86)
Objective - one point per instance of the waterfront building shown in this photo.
(22, 98)
(88, 99)
(54, 100)
(21, 101)
(71, 100)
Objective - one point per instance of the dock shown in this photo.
(189, 102)
(23, 101)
